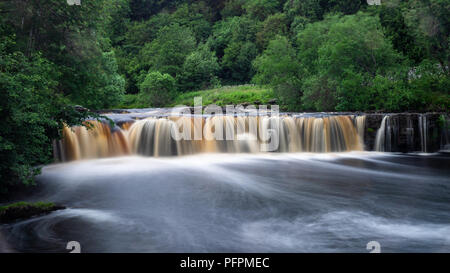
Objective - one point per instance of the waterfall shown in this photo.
(423, 129)
(98, 140)
(411, 133)
(361, 128)
(380, 139)
(181, 135)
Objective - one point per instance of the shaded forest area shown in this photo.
(314, 55)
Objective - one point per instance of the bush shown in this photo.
(157, 90)
(199, 70)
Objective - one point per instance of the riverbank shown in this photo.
(227, 95)
(24, 210)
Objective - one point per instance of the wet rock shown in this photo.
(80, 108)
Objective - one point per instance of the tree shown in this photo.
(144, 9)
(232, 30)
(315, 10)
(157, 89)
(118, 18)
(233, 8)
(191, 17)
(199, 70)
(32, 112)
(71, 37)
(274, 25)
(260, 9)
(339, 47)
(403, 40)
(168, 51)
(237, 61)
(310, 9)
(279, 68)
(430, 23)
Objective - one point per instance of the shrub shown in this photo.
(157, 89)
(199, 70)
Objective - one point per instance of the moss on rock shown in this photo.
(24, 210)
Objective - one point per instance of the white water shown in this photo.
(287, 202)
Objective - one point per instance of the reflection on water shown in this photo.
(244, 203)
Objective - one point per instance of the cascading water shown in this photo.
(360, 127)
(185, 135)
(410, 133)
(423, 129)
(98, 141)
(382, 134)
(218, 134)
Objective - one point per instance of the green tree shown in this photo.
(118, 12)
(233, 8)
(279, 68)
(32, 113)
(191, 17)
(237, 61)
(199, 70)
(403, 40)
(71, 37)
(260, 9)
(430, 24)
(341, 46)
(168, 51)
(157, 89)
(232, 30)
(310, 9)
(315, 10)
(274, 25)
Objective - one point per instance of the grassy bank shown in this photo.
(226, 95)
(24, 210)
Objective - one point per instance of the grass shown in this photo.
(226, 95)
(23, 210)
(131, 101)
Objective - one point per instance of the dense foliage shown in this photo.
(316, 55)
(32, 113)
(50, 59)
(312, 55)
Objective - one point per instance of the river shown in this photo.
(286, 202)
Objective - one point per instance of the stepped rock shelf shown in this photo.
(148, 132)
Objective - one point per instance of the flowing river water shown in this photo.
(320, 192)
